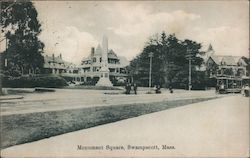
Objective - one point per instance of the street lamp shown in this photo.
(151, 54)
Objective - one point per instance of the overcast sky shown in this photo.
(73, 27)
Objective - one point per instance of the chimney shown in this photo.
(60, 56)
(92, 51)
(53, 56)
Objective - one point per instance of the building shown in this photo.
(227, 70)
(205, 54)
(90, 69)
(90, 66)
(227, 66)
(56, 65)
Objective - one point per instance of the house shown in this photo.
(227, 66)
(90, 66)
(229, 71)
(56, 65)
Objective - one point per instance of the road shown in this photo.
(74, 98)
(215, 128)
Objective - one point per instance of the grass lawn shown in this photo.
(23, 128)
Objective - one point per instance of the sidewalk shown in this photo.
(215, 128)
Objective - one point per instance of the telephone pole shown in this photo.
(151, 54)
(189, 57)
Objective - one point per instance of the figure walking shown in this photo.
(171, 89)
(126, 88)
(135, 88)
(158, 89)
(129, 88)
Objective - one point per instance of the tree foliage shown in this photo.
(247, 60)
(170, 61)
(21, 28)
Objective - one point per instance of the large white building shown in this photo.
(89, 70)
(90, 66)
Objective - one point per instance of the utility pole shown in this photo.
(189, 56)
(150, 67)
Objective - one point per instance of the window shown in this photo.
(219, 72)
(94, 60)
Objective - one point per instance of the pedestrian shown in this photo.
(129, 88)
(158, 89)
(126, 88)
(135, 88)
(171, 89)
(246, 90)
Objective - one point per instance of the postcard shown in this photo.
(124, 78)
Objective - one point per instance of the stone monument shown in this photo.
(104, 71)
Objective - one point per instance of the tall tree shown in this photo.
(170, 62)
(21, 27)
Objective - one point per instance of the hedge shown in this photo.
(48, 81)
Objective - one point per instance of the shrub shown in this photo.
(48, 81)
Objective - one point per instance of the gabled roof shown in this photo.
(210, 48)
(57, 62)
(123, 61)
(111, 54)
(228, 60)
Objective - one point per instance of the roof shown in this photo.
(86, 58)
(206, 51)
(207, 48)
(228, 60)
(56, 59)
(123, 61)
(111, 54)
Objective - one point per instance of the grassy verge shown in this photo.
(23, 128)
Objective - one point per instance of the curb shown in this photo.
(10, 97)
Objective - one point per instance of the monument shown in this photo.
(104, 78)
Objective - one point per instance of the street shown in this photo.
(75, 98)
(214, 128)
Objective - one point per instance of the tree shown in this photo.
(247, 60)
(170, 64)
(21, 27)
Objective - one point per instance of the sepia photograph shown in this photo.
(156, 78)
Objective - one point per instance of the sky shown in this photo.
(73, 27)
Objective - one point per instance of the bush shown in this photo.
(48, 81)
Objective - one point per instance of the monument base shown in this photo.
(104, 82)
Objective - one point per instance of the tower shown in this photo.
(104, 71)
